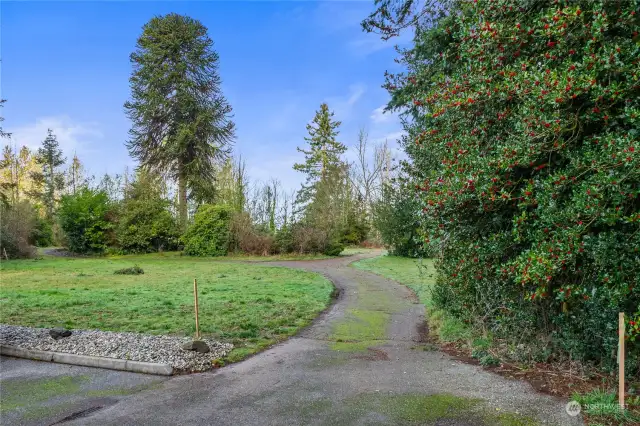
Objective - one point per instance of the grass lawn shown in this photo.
(251, 306)
(350, 251)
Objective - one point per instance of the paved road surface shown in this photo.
(316, 378)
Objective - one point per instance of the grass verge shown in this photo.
(419, 275)
(600, 407)
(252, 306)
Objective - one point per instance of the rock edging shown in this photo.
(89, 361)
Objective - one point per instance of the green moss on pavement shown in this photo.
(19, 393)
(406, 409)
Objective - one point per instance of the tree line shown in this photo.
(521, 177)
(188, 191)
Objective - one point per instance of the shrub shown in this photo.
(59, 238)
(85, 218)
(283, 242)
(42, 235)
(397, 217)
(145, 231)
(247, 239)
(355, 230)
(134, 270)
(209, 234)
(333, 248)
(525, 150)
(145, 224)
(17, 224)
(309, 239)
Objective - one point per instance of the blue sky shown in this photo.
(65, 65)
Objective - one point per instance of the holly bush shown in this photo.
(524, 125)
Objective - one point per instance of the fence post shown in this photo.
(621, 333)
(195, 297)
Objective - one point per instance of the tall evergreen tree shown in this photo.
(5, 187)
(7, 174)
(181, 122)
(322, 157)
(76, 178)
(49, 180)
(16, 169)
(3, 134)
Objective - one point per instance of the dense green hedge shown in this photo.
(85, 218)
(209, 235)
(145, 223)
(525, 134)
(397, 217)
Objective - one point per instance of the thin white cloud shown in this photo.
(281, 118)
(367, 43)
(379, 116)
(265, 167)
(336, 16)
(392, 137)
(343, 105)
(356, 92)
(73, 137)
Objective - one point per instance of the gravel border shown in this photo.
(126, 346)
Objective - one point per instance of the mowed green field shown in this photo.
(250, 305)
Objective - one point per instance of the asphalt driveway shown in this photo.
(339, 371)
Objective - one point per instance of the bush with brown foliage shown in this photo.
(309, 239)
(17, 224)
(245, 238)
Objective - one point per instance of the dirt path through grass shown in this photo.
(360, 363)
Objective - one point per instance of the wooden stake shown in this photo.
(621, 332)
(195, 296)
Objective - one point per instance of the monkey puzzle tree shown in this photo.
(181, 122)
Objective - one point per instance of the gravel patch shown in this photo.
(129, 346)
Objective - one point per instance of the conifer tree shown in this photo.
(76, 178)
(181, 122)
(49, 180)
(322, 157)
(3, 134)
(5, 186)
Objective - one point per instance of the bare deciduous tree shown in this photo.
(371, 169)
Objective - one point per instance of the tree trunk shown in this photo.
(182, 201)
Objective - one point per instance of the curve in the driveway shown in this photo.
(361, 363)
